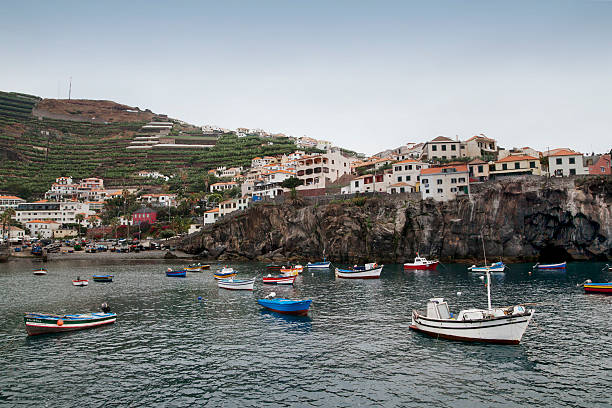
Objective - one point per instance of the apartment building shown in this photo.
(369, 183)
(442, 147)
(479, 170)
(159, 200)
(9, 201)
(480, 146)
(601, 166)
(222, 186)
(235, 204)
(319, 170)
(444, 183)
(270, 184)
(516, 165)
(565, 162)
(409, 172)
(60, 212)
(42, 228)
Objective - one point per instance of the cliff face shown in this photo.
(520, 219)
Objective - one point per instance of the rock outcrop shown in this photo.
(525, 218)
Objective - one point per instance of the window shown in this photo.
(453, 189)
(427, 191)
(399, 178)
(453, 181)
(517, 165)
(603, 169)
(418, 167)
(453, 157)
(332, 162)
(443, 148)
(444, 157)
(398, 168)
(440, 191)
(453, 147)
(402, 190)
(410, 167)
(407, 178)
(559, 161)
(462, 179)
(572, 160)
(418, 177)
(572, 172)
(480, 170)
(425, 181)
(504, 166)
(434, 148)
(439, 181)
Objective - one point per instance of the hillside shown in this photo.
(36, 149)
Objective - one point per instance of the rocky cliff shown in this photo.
(524, 218)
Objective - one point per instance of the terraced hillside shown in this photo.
(35, 150)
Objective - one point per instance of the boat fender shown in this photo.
(60, 322)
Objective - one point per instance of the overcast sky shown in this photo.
(366, 76)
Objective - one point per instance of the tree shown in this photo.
(5, 218)
(113, 223)
(79, 219)
(292, 183)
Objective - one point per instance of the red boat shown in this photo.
(279, 280)
(605, 288)
(421, 264)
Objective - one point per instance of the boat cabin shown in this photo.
(437, 308)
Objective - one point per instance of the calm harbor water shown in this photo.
(355, 349)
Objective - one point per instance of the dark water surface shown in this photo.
(355, 349)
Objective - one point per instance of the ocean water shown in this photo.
(354, 349)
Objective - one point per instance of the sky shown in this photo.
(367, 76)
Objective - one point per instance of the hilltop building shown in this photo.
(480, 146)
(445, 182)
(516, 165)
(10, 201)
(442, 147)
(566, 162)
(601, 166)
(319, 170)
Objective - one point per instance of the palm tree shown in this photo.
(79, 219)
(5, 218)
(113, 223)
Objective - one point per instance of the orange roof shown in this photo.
(41, 201)
(480, 137)
(282, 171)
(213, 210)
(400, 184)
(256, 158)
(565, 152)
(10, 198)
(442, 139)
(42, 222)
(477, 161)
(407, 161)
(159, 195)
(224, 183)
(516, 158)
(436, 170)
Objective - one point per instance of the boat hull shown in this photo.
(430, 267)
(282, 280)
(40, 324)
(319, 265)
(80, 283)
(553, 266)
(236, 284)
(368, 274)
(500, 330)
(40, 273)
(106, 278)
(286, 306)
(177, 274)
(605, 288)
(220, 276)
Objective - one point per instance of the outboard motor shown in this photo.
(105, 307)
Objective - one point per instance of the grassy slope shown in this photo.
(82, 149)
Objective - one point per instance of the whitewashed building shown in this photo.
(408, 171)
(42, 228)
(442, 147)
(60, 212)
(9, 201)
(445, 182)
(318, 170)
(565, 163)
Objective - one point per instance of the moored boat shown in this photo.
(41, 323)
(292, 270)
(561, 265)
(103, 278)
(492, 325)
(494, 267)
(236, 284)
(176, 274)
(194, 268)
(225, 273)
(285, 306)
(80, 282)
(368, 271)
(279, 280)
(319, 265)
(421, 263)
(590, 287)
(40, 271)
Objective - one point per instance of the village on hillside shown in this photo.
(439, 169)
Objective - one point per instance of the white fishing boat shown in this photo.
(504, 325)
(80, 282)
(368, 271)
(236, 284)
(494, 267)
(319, 265)
(40, 271)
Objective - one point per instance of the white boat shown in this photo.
(421, 264)
(368, 271)
(504, 325)
(41, 271)
(80, 282)
(236, 284)
(318, 265)
(494, 267)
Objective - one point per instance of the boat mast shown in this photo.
(488, 272)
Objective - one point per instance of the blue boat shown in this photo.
(319, 265)
(551, 266)
(494, 267)
(103, 278)
(286, 306)
(176, 274)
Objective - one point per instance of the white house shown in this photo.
(369, 183)
(222, 186)
(444, 183)
(566, 162)
(160, 200)
(42, 228)
(408, 171)
(480, 146)
(270, 183)
(318, 170)
(60, 212)
(211, 216)
(13, 234)
(442, 147)
(7, 201)
(235, 204)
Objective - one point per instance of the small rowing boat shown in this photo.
(176, 274)
(40, 271)
(42, 323)
(103, 278)
(279, 280)
(590, 287)
(561, 265)
(495, 267)
(225, 273)
(285, 306)
(80, 282)
(319, 265)
(236, 284)
(194, 268)
(421, 264)
(367, 271)
(292, 270)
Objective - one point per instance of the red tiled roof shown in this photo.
(436, 170)
(564, 152)
(407, 161)
(442, 139)
(477, 161)
(480, 137)
(10, 198)
(516, 158)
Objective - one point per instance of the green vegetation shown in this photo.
(34, 152)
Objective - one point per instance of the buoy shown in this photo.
(60, 322)
(481, 277)
(199, 298)
(458, 293)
